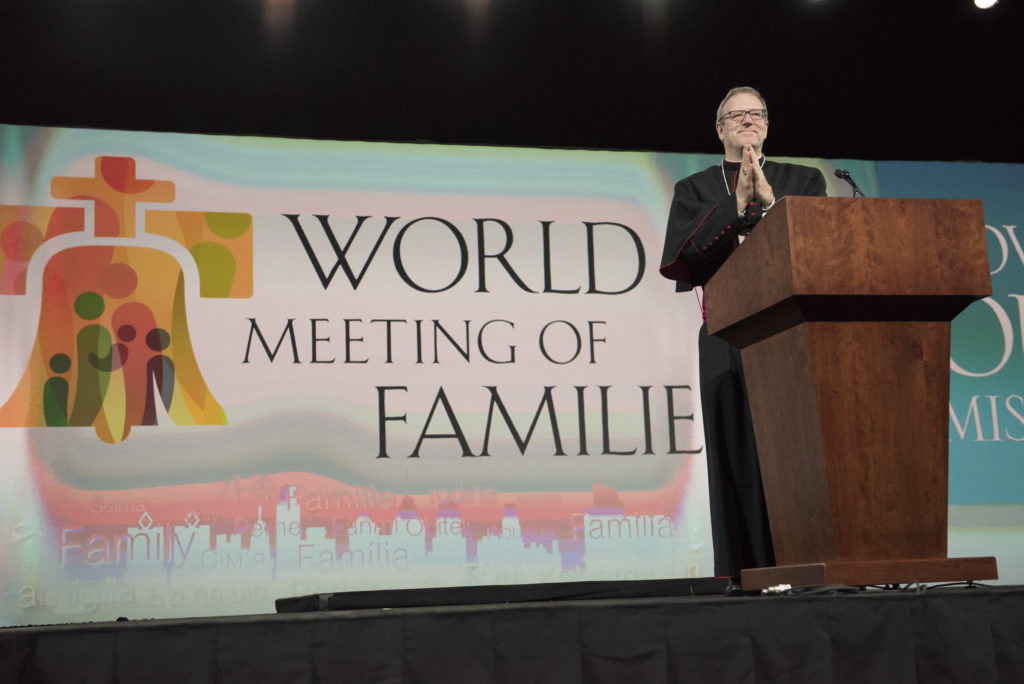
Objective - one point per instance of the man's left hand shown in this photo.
(763, 192)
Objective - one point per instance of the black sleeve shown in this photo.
(702, 229)
(701, 233)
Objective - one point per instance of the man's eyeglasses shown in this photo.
(737, 115)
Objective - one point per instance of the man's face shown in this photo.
(735, 134)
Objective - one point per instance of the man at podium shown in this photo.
(711, 213)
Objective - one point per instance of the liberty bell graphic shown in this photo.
(113, 337)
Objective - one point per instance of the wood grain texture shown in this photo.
(821, 257)
(842, 310)
(851, 420)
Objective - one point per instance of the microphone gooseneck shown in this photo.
(845, 175)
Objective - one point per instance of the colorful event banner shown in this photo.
(238, 369)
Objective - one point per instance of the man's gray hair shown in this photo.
(738, 91)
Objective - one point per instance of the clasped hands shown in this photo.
(752, 184)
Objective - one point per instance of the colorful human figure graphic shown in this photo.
(159, 375)
(92, 343)
(113, 336)
(55, 392)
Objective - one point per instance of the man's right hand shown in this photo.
(745, 182)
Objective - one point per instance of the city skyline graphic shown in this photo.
(280, 543)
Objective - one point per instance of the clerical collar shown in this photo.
(730, 162)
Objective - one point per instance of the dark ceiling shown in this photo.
(843, 78)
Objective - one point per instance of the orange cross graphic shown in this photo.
(116, 190)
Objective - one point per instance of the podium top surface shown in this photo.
(855, 258)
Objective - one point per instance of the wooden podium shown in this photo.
(842, 309)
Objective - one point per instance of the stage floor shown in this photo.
(926, 634)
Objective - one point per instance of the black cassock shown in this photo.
(703, 230)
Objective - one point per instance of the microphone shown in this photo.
(845, 175)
